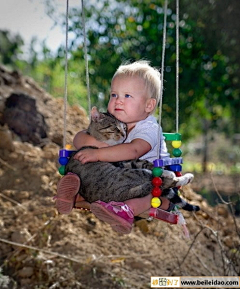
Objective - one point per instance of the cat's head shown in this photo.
(106, 128)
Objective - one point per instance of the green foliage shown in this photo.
(126, 30)
(10, 48)
(133, 30)
(48, 69)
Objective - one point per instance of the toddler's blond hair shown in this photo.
(150, 75)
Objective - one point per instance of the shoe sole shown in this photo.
(67, 190)
(117, 223)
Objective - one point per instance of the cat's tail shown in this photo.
(190, 208)
(173, 196)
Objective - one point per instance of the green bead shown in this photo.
(157, 172)
(177, 152)
(62, 170)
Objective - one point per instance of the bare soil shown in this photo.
(41, 249)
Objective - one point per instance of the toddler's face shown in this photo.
(129, 101)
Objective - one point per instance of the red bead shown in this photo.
(178, 174)
(157, 182)
(156, 192)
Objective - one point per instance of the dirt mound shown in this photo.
(41, 249)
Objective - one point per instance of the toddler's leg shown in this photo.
(140, 205)
(80, 203)
(121, 215)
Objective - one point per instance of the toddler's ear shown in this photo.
(150, 104)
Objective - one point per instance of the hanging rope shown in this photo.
(162, 74)
(86, 58)
(65, 80)
(162, 71)
(66, 70)
(177, 65)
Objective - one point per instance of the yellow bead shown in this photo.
(68, 147)
(155, 202)
(176, 144)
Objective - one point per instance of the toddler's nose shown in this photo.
(119, 100)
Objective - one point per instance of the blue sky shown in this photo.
(28, 18)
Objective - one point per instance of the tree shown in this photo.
(10, 49)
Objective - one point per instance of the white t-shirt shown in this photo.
(147, 130)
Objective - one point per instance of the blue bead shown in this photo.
(63, 161)
(175, 168)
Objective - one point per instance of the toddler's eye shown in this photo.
(113, 95)
(127, 95)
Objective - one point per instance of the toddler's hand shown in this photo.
(87, 155)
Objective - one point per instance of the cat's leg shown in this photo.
(67, 190)
(184, 180)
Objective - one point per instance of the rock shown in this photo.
(20, 236)
(222, 210)
(6, 139)
(22, 116)
(26, 272)
(22, 195)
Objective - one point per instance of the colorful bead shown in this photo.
(177, 152)
(156, 202)
(156, 192)
(175, 168)
(63, 161)
(157, 172)
(176, 144)
(62, 170)
(178, 174)
(156, 182)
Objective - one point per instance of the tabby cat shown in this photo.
(120, 181)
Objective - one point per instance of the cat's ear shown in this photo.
(95, 115)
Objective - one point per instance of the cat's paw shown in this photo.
(168, 174)
(184, 180)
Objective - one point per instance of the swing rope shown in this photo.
(162, 71)
(65, 79)
(86, 58)
(177, 65)
(162, 74)
(66, 69)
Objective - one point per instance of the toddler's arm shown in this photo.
(82, 139)
(121, 152)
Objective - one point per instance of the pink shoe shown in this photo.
(118, 215)
(67, 190)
